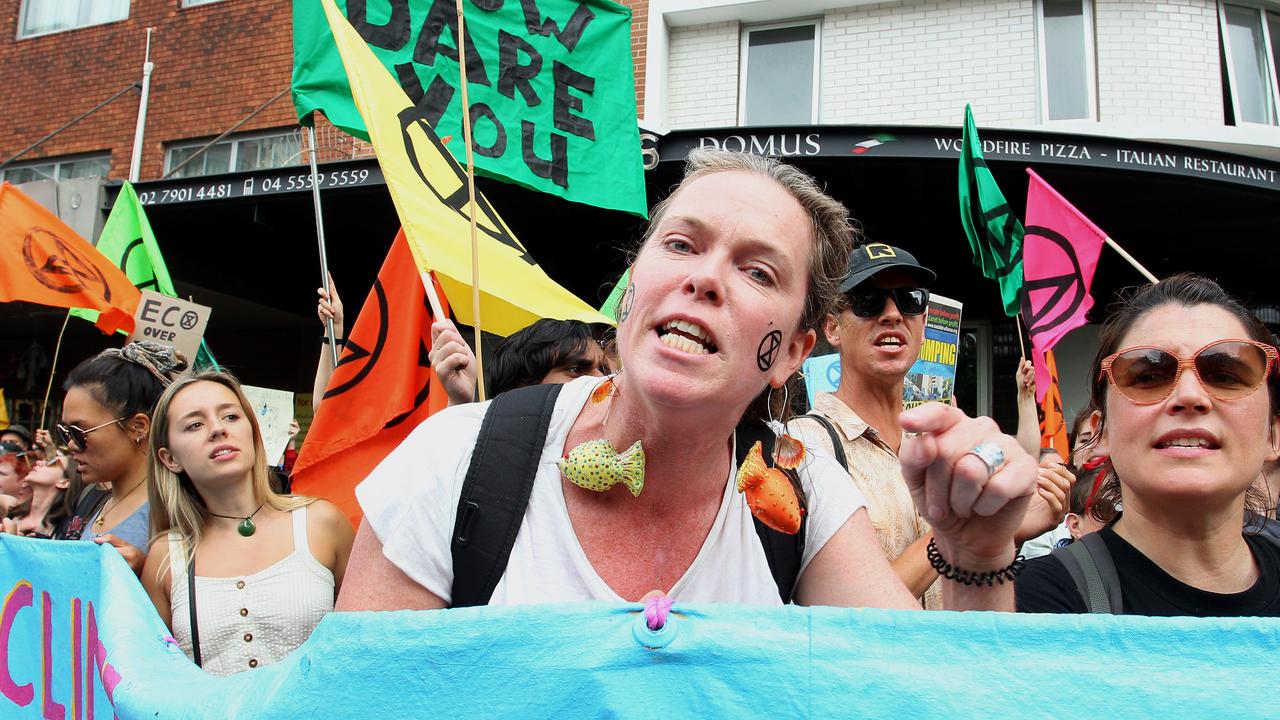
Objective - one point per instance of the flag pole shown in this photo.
(1132, 261)
(1021, 348)
(324, 260)
(135, 161)
(53, 369)
(471, 195)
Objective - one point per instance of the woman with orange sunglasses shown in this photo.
(1186, 384)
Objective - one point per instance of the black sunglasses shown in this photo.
(870, 302)
(72, 435)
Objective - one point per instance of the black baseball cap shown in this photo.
(872, 258)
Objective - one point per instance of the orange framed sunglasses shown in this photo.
(1227, 369)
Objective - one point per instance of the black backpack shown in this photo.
(1094, 572)
(499, 482)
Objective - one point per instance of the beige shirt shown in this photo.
(876, 472)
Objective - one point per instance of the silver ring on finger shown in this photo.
(990, 454)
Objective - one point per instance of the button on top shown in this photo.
(239, 584)
(244, 612)
(253, 662)
(248, 637)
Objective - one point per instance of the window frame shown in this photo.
(235, 141)
(1224, 35)
(58, 162)
(184, 4)
(22, 21)
(1090, 62)
(744, 48)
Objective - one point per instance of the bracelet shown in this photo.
(946, 570)
(340, 342)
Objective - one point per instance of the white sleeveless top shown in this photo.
(252, 620)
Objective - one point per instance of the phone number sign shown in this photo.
(266, 182)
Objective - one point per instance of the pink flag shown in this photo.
(1059, 255)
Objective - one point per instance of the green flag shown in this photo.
(550, 82)
(610, 307)
(128, 242)
(994, 232)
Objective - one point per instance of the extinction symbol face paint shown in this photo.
(767, 351)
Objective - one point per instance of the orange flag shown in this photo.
(381, 389)
(45, 262)
(1053, 426)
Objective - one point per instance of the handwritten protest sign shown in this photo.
(170, 321)
(274, 410)
(551, 86)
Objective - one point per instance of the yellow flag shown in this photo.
(429, 190)
(4, 411)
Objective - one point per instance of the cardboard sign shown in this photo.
(170, 321)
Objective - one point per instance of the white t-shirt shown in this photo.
(411, 499)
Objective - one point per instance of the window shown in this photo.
(58, 169)
(41, 17)
(1067, 85)
(235, 154)
(193, 3)
(779, 84)
(1249, 34)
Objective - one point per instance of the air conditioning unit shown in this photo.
(79, 202)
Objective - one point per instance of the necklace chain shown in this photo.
(112, 504)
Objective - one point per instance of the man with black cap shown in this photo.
(877, 330)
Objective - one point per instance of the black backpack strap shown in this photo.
(784, 552)
(837, 444)
(495, 493)
(192, 619)
(1091, 568)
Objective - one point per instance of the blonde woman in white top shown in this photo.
(266, 566)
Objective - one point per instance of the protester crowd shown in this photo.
(1163, 508)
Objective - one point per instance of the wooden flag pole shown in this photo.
(53, 369)
(471, 195)
(1021, 348)
(1132, 261)
(324, 261)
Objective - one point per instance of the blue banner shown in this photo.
(79, 635)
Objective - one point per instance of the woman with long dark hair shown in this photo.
(1185, 384)
(106, 418)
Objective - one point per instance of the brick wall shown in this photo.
(214, 64)
(1159, 61)
(702, 85)
(639, 43)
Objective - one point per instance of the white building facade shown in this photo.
(1158, 118)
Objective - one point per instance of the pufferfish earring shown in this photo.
(595, 465)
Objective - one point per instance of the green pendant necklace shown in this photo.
(246, 526)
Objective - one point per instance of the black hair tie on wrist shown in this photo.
(340, 342)
(946, 570)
